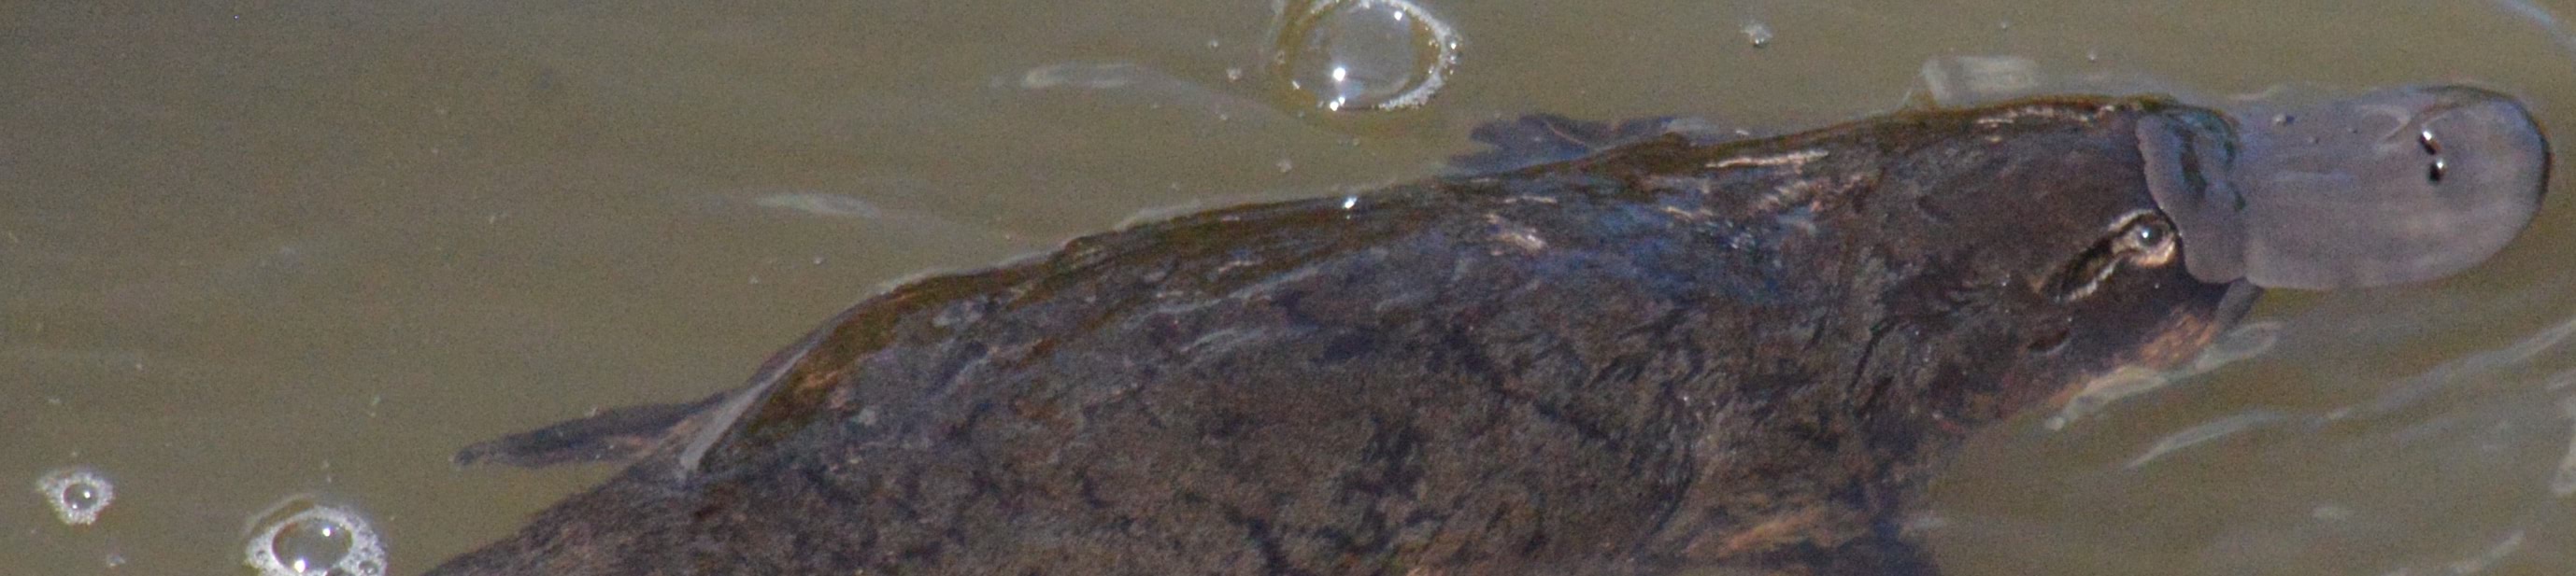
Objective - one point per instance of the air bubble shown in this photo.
(1363, 54)
(300, 537)
(1758, 33)
(76, 494)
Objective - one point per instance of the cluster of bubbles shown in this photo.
(296, 537)
(76, 494)
(301, 537)
(1363, 54)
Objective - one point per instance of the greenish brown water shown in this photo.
(251, 250)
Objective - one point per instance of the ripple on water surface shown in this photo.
(1363, 54)
(301, 537)
(76, 494)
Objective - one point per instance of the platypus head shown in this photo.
(2107, 234)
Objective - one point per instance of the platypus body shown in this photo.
(1676, 353)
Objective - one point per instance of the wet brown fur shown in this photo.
(1665, 356)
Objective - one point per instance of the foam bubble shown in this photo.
(301, 537)
(77, 494)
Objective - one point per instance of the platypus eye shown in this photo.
(2147, 241)
(2139, 239)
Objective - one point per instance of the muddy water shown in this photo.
(257, 251)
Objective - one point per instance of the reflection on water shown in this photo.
(2207, 431)
(2502, 372)
(251, 251)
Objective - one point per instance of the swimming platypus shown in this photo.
(1670, 352)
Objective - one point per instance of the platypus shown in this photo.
(1669, 350)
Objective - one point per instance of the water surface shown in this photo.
(256, 254)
